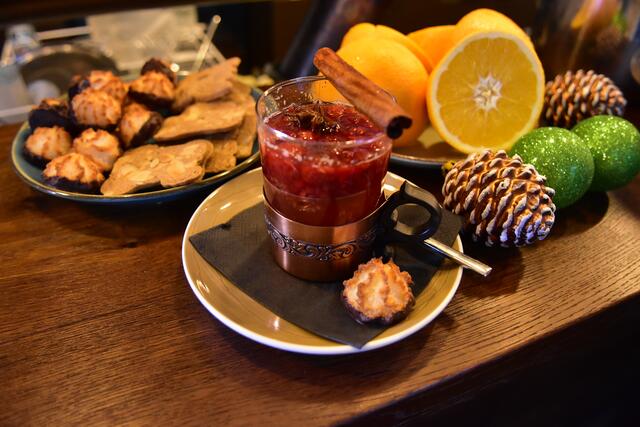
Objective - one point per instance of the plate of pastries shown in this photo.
(153, 139)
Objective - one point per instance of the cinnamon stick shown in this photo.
(367, 97)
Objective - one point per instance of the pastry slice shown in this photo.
(247, 131)
(45, 144)
(201, 119)
(239, 93)
(73, 172)
(134, 171)
(151, 165)
(223, 156)
(378, 293)
(102, 147)
(207, 85)
(183, 164)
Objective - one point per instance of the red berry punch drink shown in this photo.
(323, 161)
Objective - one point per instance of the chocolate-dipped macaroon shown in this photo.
(153, 89)
(378, 293)
(99, 80)
(74, 172)
(95, 108)
(102, 147)
(45, 144)
(49, 113)
(138, 124)
(161, 66)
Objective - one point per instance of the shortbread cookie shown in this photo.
(201, 119)
(223, 156)
(95, 108)
(45, 144)
(138, 124)
(73, 172)
(206, 85)
(102, 147)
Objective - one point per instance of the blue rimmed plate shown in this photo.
(32, 176)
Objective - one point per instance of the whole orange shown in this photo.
(367, 30)
(396, 69)
(434, 41)
(483, 20)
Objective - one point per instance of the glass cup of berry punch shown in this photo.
(323, 163)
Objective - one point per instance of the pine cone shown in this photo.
(502, 200)
(572, 97)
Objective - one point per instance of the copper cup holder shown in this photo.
(333, 253)
(320, 253)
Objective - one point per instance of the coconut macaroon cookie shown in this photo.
(378, 293)
(74, 172)
(95, 108)
(49, 113)
(45, 144)
(102, 147)
(153, 89)
(138, 124)
(100, 80)
(161, 66)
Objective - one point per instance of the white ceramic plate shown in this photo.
(247, 317)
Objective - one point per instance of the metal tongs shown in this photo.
(419, 237)
(207, 45)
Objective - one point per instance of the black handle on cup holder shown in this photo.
(398, 232)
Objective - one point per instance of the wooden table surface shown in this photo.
(98, 324)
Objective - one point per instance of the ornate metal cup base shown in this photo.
(320, 253)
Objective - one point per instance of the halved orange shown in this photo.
(486, 92)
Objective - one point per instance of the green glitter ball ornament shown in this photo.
(615, 146)
(562, 157)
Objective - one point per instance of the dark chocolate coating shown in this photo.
(148, 129)
(382, 321)
(150, 101)
(34, 159)
(155, 64)
(46, 115)
(66, 184)
(78, 84)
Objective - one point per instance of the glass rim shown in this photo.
(283, 136)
